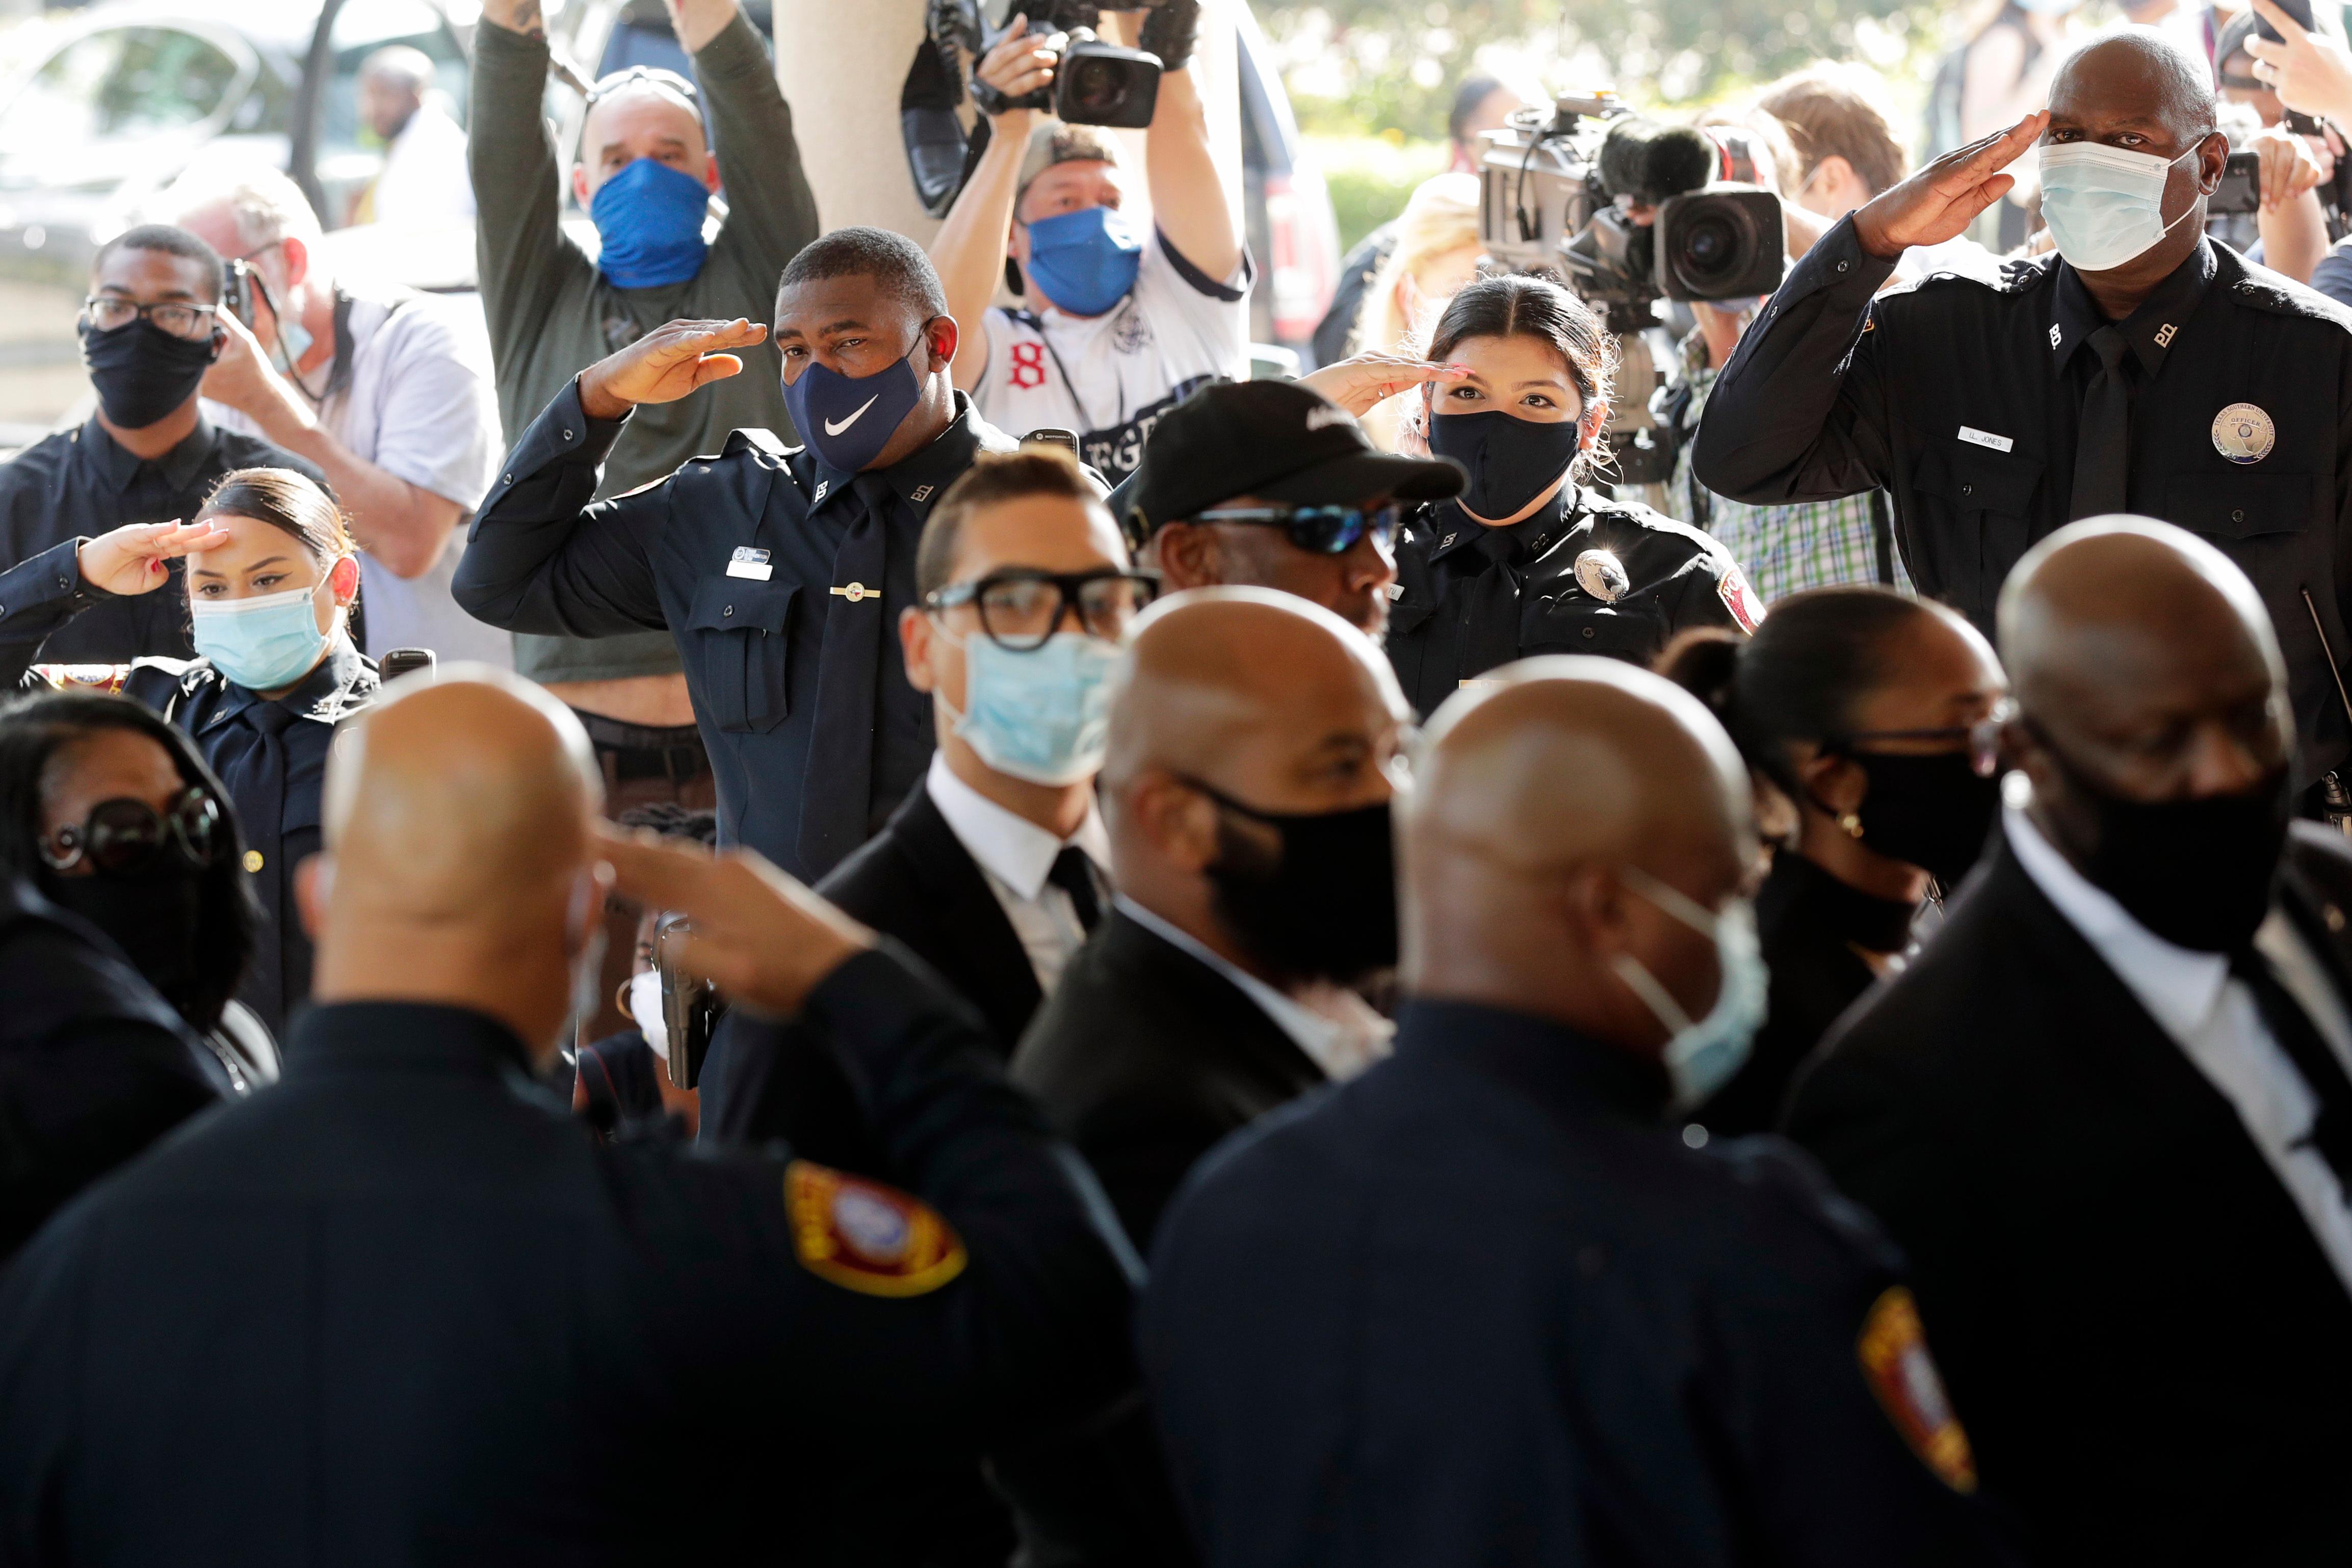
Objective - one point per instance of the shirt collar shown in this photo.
(2151, 330)
(2180, 986)
(919, 478)
(1006, 844)
(1533, 534)
(325, 694)
(118, 465)
(1546, 1060)
(1323, 1039)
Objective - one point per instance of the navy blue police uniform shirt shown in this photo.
(1963, 397)
(81, 483)
(270, 754)
(404, 1308)
(1483, 1305)
(736, 555)
(1470, 598)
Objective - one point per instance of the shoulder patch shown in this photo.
(1892, 1350)
(1740, 599)
(84, 677)
(867, 1237)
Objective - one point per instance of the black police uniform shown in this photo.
(404, 1309)
(1469, 598)
(1965, 397)
(270, 756)
(93, 1065)
(782, 581)
(1482, 1305)
(83, 482)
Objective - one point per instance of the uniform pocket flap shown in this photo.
(2239, 506)
(740, 605)
(1981, 479)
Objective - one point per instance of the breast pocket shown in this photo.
(1983, 500)
(2239, 506)
(1570, 623)
(742, 632)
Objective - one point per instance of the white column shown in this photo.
(840, 64)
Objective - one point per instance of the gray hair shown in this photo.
(266, 205)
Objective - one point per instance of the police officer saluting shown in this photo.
(1528, 559)
(2144, 368)
(780, 572)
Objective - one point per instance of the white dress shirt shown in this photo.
(1013, 855)
(2212, 1017)
(1343, 1038)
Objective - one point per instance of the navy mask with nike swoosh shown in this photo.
(847, 420)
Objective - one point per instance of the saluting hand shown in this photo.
(130, 558)
(664, 365)
(761, 937)
(1364, 381)
(1940, 201)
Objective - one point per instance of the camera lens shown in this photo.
(1710, 248)
(1097, 85)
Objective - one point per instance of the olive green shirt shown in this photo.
(551, 315)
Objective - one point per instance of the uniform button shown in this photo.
(508, 479)
(1843, 265)
(253, 860)
(1589, 632)
(1968, 490)
(567, 434)
(2333, 917)
(727, 611)
(2239, 515)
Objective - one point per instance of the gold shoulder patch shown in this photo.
(1895, 1362)
(865, 1236)
(84, 677)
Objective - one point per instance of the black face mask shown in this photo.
(1932, 812)
(152, 913)
(1511, 460)
(143, 373)
(1325, 907)
(2197, 873)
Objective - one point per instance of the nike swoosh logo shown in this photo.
(833, 430)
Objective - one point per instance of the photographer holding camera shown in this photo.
(1114, 326)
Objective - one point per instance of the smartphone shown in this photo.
(402, 661)
(237, 290)
(2240, 190)
(2298, 9)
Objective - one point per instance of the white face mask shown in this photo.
(2105, 206)
(1701, 1057)
(645, 1008)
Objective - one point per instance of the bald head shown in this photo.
(458, 823)
(399, 66)
(1212, 673)
(2140, 71)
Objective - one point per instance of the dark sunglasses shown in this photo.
(1021, 606)
(125, 835)
(1317, 530)
(1981, 740)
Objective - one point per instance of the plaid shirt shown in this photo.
(1813, 544)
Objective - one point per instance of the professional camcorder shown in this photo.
(1562, 190)
(1095, 84)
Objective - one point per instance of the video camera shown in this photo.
(1096, 83)
(1559, 190)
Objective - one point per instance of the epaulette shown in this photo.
(752, 439)
(2267, 291)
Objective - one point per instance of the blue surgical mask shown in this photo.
(2105, 206)
(649, 217)
(1044, 715)
(1701, 1057)
(1085, 261)
(263, 643)
(847, 420)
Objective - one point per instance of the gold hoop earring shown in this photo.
(1852, 824)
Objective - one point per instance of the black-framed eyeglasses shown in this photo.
(1021, 606)
(106, 313)
(124, 834)
(1981, 740)
(1317, 530)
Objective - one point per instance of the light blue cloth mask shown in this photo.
(2105, 206)
(1044, 715)
(263, 643)
(1701, 1058)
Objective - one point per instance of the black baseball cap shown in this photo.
(1270, 438)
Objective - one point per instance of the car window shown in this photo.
(121, 82)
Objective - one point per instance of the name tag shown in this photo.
(1986, 438)
(749, 562)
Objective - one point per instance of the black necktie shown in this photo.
(1492, 635)
(1074, 873)
(257, 789)
(837, 793)
(2322, 1072)
(2103, 443)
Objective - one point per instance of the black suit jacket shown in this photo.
(1145, 1057)
(2144, 1343)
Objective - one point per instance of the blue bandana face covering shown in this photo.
(649, 217)
(263, 643)
(847, 420)
(1084, 261)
